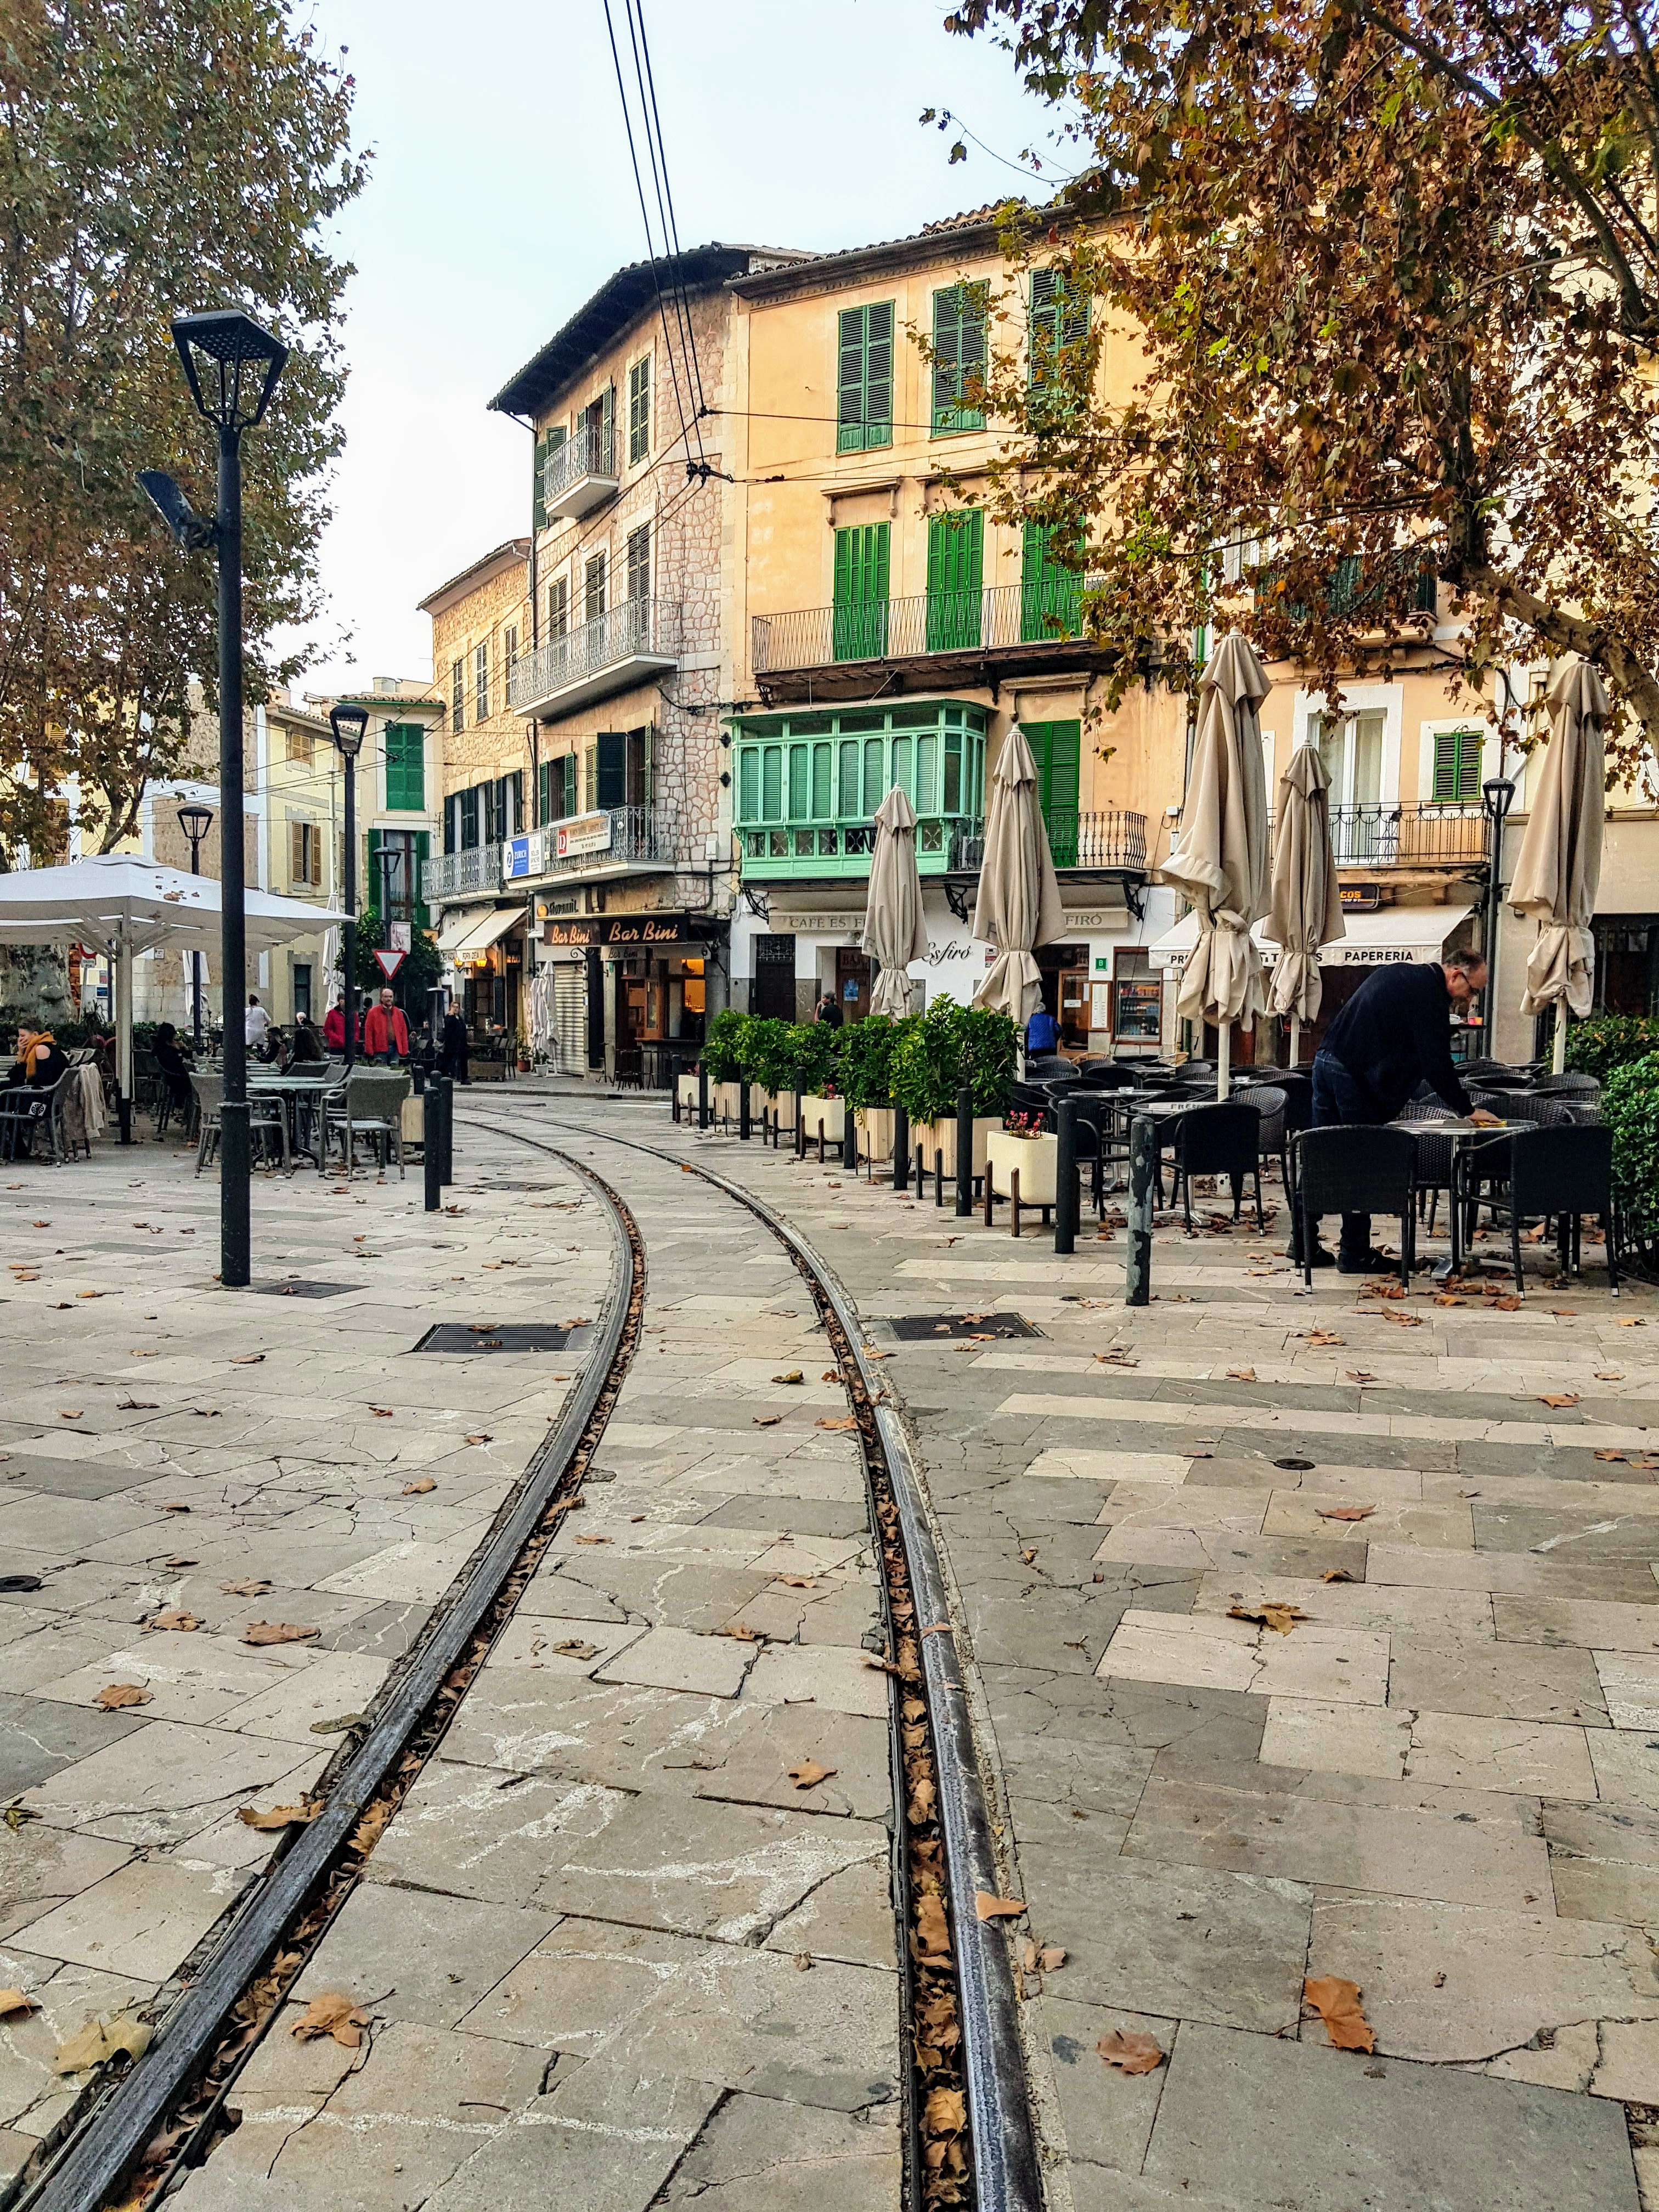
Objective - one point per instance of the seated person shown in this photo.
(37, 1066)
(175, 1068)
(306, 1049)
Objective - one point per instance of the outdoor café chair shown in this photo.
(266, 1117)
(1051, 1067)
(1354, 1168)
(1435, 1153)
(1219, 1140)
(1559, 1171)
(369, 1104)
(1272, 1139)
(26, 1109)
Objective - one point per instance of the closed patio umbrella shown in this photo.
(1559, 868)
(1221, 861)
(1305, 907)
(1018, 907)
(126, 905)
(894, 933)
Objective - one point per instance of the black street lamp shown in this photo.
(1497, 797)
(349, 724)
(231, 365)
(195, 820)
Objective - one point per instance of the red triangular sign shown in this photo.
(390, 963)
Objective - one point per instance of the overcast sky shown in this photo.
(501, 196)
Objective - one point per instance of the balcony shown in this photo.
(828, 851)
(1110, 844)
(1406, 834)
(610, 840)
(581, 474)
(626, 646)
(946, 636)
(462, 875)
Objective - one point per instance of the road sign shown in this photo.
(399, 936)
(390, 963)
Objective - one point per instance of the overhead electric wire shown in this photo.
(668, 194)
(645, 217)
(658, 160)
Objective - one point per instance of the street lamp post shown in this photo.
(195, 820)
(349, 723)
(231, 365)
(1497, 797)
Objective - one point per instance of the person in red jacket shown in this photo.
(334, 1028)
(385, 1033)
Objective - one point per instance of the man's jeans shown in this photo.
(1338, 1099)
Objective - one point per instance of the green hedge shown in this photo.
(1608, 1040)
(951, 1045)
(864, 1058)
(722, 1048)
(1630, 1104)
(766, 1055)
(813, 1048)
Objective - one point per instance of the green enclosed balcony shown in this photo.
(808, 786)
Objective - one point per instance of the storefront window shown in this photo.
(1137, 998)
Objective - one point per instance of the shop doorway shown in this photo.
(1066, 992)
(774, 978)
(855, 981)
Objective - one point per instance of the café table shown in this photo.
(1463, 1135)
(297, 1094)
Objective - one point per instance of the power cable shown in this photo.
(645, 217)
(673, 224)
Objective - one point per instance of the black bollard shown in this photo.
(900, 1148)
(965, 1152)
(432, 1157)
(849, 1137)
(1066, 1179)
(800, 1121)
(1142, 1162)
(702, 1096)
(743, 1107)
(446, 1126)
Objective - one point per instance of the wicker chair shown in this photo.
(1272, 1140)
(369, 1104)
(1560, 1171)
(1354, 1168)
(1221, 1140)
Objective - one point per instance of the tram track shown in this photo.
(943, 1845)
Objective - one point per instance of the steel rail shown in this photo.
(1006, 2168)
(98, 2154)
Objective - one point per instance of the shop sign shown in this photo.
(1344, 955)
(629, 929)
(582, 832)
(1360, 898)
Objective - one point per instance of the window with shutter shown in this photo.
(956, 577)
(639, 562)
(593, 588)
(481, 680)
(639, 411)
(515, 811)
(611, 767)
(510, 649)
(1457, 766)
(422, 853)
(1050, 593)
(469, 819)
(860, 619)
(458, 695)
(1059, 319)
(558, 607)
(296, 852)
(537, 484)
(1057, 750)
(864, 378)
(959, 316)
(405, 768)
(568, 797)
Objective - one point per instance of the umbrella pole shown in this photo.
(124, 1039)
(1559, 1057)
(1224, 1060)
(1296, 1040)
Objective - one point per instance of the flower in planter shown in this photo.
(1024, 1125)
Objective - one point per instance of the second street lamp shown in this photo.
(195, 820)
(1497, 797)
(349, 724)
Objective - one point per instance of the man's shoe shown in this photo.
(1366, 1263)
(1321, 1258)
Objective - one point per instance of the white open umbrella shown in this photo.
(1305, 907)
(1221, 861)
(126, 905)
(1018, 907)
(1559, 868)
(894, 933)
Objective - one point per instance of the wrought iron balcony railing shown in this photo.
(1407, 833)
(1049, 611)
(584, 463)
(591, 843)
(597, 656)
(456, 875)
(1113, 839)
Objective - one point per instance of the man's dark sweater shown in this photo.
(1395, 1033)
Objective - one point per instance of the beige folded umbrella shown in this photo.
(1559, 868)
(1221, 862)
(1305, 906)
(894, 933)
(1018, 907)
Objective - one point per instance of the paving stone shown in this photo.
(1507, 1681)
(1604, 1862)
(139, 1921)
(164, 1782)
(41, 1866)
(762, 2155)
(427, 1957)
(1384, 2136)
(849, 1917)
(1630, 1681)
(606, 2139)
(823, 1674)
(1336, 1739)
(33, 2096)
(695, 1593)
(40, 1736)
(1531, 1757)
(677, 1659)
(489, 1832)
(1108, 2116)
(1626, 1767)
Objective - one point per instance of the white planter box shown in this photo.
(875, 1127)
(1033, 1159)
(726, 1100)
(781, 1105)
(823, 1117)
(685, 1090)
(936, 1137)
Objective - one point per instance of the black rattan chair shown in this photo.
(1217, 1140)
(1357, 1168)
(1272, 1139)
(1559, 1171)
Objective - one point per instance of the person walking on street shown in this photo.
(828, 1011)
(385, 1033)
(453, 1048)
(255, 1021)
(334, 1028)
(1393, 1035)
(1042, 1033)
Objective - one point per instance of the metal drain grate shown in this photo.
(919, 1328)
(510, 1336)
(299, 1289)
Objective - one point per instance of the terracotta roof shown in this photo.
(980, 225)
(500, 556)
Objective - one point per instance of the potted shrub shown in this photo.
(863, 1063)
(723, 1061)
(767, 1061)
(813, 1048)
(1630, 1104)
(1021, 1164)
(947, 1047)
(1605, 1041)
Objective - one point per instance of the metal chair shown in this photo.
(1559, 1171)
(1219, 1140)
(209, 1091)
(1271, 1140)
(267, 1118)
(368, 1104)
(1051, 1067)
(26, 1109)
(1354, 1168)
(1435, 1155)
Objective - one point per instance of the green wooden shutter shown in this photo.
(373, 883)
(538, 469)
(822, 766)
(639, 409)
(956, 575)
(423, 854)
(772, 783)
(405, 768)
(1051, 594)
(958, 357)
(749, 784)
(1057, 749)
(1058, 319)
(567, 799)
(859, 620)
(1456, 766)
(864, 411)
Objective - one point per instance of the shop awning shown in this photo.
(1389, 938)
(460, 925)
(475, 929)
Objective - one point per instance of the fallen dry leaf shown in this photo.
(1405, 1320)
(1558, 1398)
(480, 1439)
(251, 1586)
(574, 1648)
(1281, 1618)
(1323, 1336)
(101, 2039)
(121, 1693)
(1505, 1305)
(1336, 1575)
(592, 1539)
(838, 1421)
(932, 1929)
(797, 1582)
(767, 1420)
(1359, 1374)
(1633, 1323)
(1234, 1374)
(91, 1294)
(738, 1631)
(73, 1414)
(1618, 1457)
(278, 1816)
(137, 1404)
(1041, 1958)
(1448, 1298)
(246, 1359)
(1128, 2051)
(175, 1505)
(419, 1489)
(997, 1908)
(381, 1413)
(946, 2112)
(808, 1774)
(1345, 1512)
(793, 1376)
(180, 1620)
(278, 1632)
(1029, 1554)
(334, 2014)
(1337, 2003)
(13, 2001)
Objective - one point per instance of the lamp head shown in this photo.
(1497, 796)
(193, 531)
(349, 723)
(195, 820)
(231, 364)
